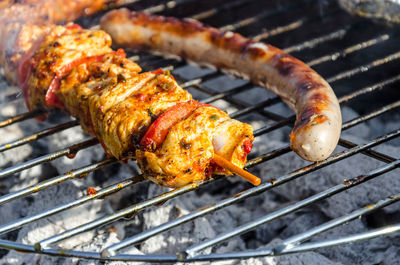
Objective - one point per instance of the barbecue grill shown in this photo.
(357, 57)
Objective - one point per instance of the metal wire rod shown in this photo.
(86, 254)
(100, 194)
(342, 53)
(347, 184)
(318, 40)
(11, 98)
(371, 153)
(371, 115)
(229, 201)
(54, 181)
(165, 6)
(262, 104)
(215, 10)
(369, 89)
(287, 245)
(21, 117)
(294, 240)
(118, 215)
(387, 230)
(38, 135)
(264, 14)
(365, 67)
(71, 150)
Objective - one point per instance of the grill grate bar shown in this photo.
(339, 221)
(165, 6)
(83, 171)
(119, 214)
(100, 194)
(371, 153)
(38, 135)
(344, 240)
(68, 151)
(262, 104)
(229, 201)
(369, 89)
(11, 98)
(21, 117)
(112, 250)
(264, 14)
(213, 11)
(365, 67)
(357, 47)
(371, 115)
(283, 28)
(347, 184)
(279, 30)
(316, 41)
(285, 247)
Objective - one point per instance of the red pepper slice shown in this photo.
(161, 71)
(73, 26)
(247, 146)
(158, 71)
(159, 129)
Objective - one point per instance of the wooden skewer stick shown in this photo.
(222, 162)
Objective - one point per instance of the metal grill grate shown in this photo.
(325, 37)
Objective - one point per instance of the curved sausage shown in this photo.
(318, 124)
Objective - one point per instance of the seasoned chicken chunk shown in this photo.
(186, 154)
(56, 56)
(121, 113)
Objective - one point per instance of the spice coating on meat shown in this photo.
(55, 55)
(187, 150)
(318, 124)
(121, 113)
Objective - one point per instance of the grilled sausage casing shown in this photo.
(318, 124)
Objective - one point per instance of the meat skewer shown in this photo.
(318, 124)
(145, 116)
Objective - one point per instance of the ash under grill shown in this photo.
(357, 57)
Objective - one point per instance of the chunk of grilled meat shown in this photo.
(122, 113)
(186, 154)
(55, 58)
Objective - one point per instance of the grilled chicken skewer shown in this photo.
(318, 124)
(134, 115)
